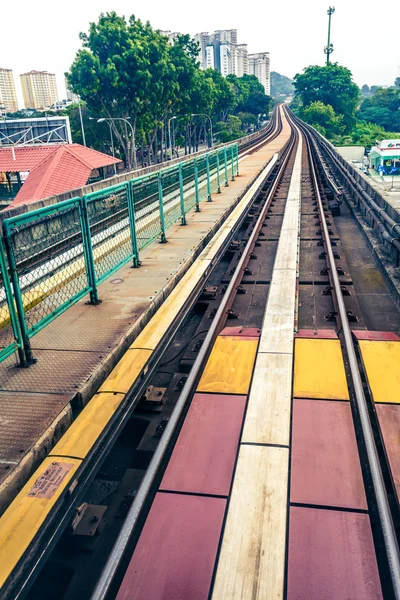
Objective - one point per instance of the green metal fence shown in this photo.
(52, 257)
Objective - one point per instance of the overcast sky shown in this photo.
(365, 33)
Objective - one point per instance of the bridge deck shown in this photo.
(78, 350)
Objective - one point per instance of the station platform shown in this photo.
(78, 350)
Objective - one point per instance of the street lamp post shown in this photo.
(169, 134)
(112, 140)
(209, 118)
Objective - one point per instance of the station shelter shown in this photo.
(385, 157)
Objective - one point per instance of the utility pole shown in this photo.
(329, 47)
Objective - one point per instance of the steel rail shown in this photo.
(20, 585)
(388, 530)
(110, 569)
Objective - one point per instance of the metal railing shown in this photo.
(53, 256)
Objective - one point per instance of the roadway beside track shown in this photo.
(78, 350)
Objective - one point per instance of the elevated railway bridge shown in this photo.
(206, 400)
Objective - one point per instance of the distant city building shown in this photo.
(225, 35)
(240, 61)
(225, 59)
(39, 89)
(220, 50)
(259, 65)
(210, 57)
(8, 97)
(203, 39)
(171, 35)
(70, 94)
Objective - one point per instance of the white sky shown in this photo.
(365, 33)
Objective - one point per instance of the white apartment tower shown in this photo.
(8, 97)
(39, 89)
(210, 57)
(240, 61)
(203, 39)
(225, 59)
(259, 65)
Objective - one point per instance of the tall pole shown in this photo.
(329, 47)
(82, 127)
(169, 135)
(112, 145)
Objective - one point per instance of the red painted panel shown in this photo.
(175, 555)
(378, 336)
(249, 332)
(322, 334)
(331, 556)
(204, 455)
(389, 421)
(325, 467)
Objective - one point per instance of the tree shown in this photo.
(323, 117)
(229, 130)
(257, 103)
(397, 82)
(382, 108)
(281, 85)
(331, 84)
(365, 90)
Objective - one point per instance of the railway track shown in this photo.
(250, 459)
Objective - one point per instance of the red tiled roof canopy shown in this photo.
(53, 169)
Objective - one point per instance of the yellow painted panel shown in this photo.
(126, 372)
(319, 370)
(78, 440)
(251, 565)
(230, 366)
(382, 364)
(27, 513)
(154, 331)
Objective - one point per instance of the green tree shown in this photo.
(281, 85)
(382, 108)
(331, 84)
(229, 130)
(323, 117)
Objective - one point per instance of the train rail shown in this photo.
(249, 454)
(43, 533)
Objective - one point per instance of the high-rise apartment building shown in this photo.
(225, 59)
(240, 62)
(39, 89)
(259, 65)
(203, 39)
(8, 97)
(226, 35)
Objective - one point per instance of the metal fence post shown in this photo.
(182, 195)
(161, 208)
(237, 159)
(196, 185)
(218, 177)
(208, 179)
(11, 306)
(232, 164)
(26, 357)
(88, 251)
(132, 225)
(226, 166)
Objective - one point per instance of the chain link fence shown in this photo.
(53, 256)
